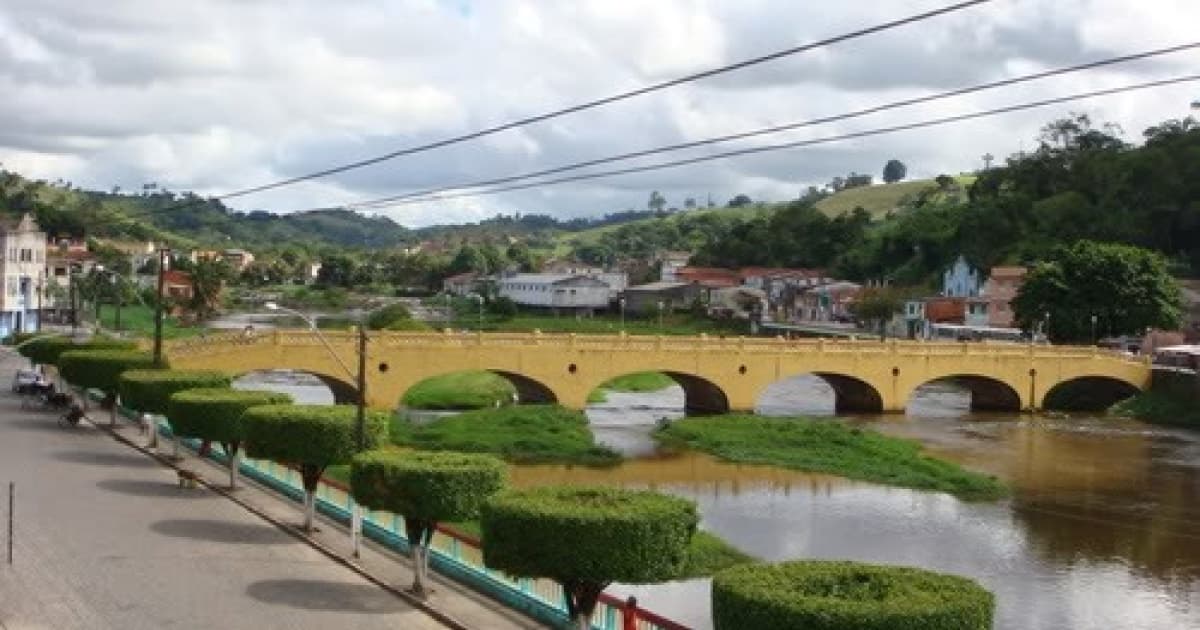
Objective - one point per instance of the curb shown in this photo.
(419, 604)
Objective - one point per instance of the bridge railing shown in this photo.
(231, 342)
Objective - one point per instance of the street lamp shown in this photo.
(360, 377)
(622, 303)
(1046, 326)
(480, 298)
(660, 315)
(1094, 340)
(164, 255)
(114, 277)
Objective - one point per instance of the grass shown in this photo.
(880, 199)
(137, 320)
(520, 434)
(830, 447)
(460, 390)
(1159, 408)
(635, 383)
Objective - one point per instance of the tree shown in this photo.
(689, 203)
(520, 255)
(388, 316)
(208, 281)
(149, 391)
(740, 200)
(503, 307)
(215, 415)
(337, 270)
(311, 437)
(587, 537)
(877, 305)
(468, 258)
(101, 369)
(657, 202)
(425, 488)
(894, 171)
(839, 595)
(1126, 288)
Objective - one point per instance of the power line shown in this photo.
(780, 128)
(655, 87)
(800, 143)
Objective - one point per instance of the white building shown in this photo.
(556, 291)
(24, 268)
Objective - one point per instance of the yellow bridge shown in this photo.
(717, 374)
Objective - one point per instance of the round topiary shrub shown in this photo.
(215, 414)
(45, 351)
(310, 437)
(101, 369)
(425, 488)
(587, 537)
(149, 391)
(831, 595)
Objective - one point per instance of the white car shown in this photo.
(23, 379)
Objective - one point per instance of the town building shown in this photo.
(461, 284)
(830, 302)
(1001, 287)
(556, 291)
(709, 277)
(644, 299)
(61, 260)
(670, 262)
(24, 269)
(961, 280)
(239, 259)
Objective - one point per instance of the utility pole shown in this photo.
(37, 323)
(360, 420)
(163, 256)
(74, 309)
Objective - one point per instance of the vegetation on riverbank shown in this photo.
(638, 382)
(460, 390)
(137, 320)
(520, 434)
(1159, 408)
(829, 447)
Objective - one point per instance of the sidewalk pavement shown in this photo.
(105, 538)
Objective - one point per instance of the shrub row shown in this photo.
(47, 350)
(101, 369)
(426, 486)
(149, 391)
(831, 595)
(319, 435)
(633, 536)
(216, 413)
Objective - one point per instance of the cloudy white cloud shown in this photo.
(224, 94)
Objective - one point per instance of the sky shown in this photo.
(221, 95)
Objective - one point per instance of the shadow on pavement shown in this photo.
(222, 531)
(47, 423)
(103, 459)
(165, 488)
(326, 595)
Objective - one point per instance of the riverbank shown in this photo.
(638, 383)
(483, 390)
(829, 447)
(520, 434)
(1159, 408)
(138, 321)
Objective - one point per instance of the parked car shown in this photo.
(23, 380)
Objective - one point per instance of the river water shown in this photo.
(1102, 531)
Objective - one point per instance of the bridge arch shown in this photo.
(1088, 393)
(701, 396)
(987, 393)
(343, 392)
(842, 392)
(524, 388)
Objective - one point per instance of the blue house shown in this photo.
(961, 280)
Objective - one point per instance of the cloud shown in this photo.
(227, 94)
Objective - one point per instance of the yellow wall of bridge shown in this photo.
(572, 366)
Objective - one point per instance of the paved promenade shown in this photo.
(104, 538)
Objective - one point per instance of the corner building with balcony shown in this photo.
(24, 269)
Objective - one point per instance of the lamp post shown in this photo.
(1046, 326)
(622, 303)
(1094, 339)
(74, 278)
(480, 298)
(660, 315)
(37, 323)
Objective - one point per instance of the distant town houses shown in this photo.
(558, 292)
(973, 304)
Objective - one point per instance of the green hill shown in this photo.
(186, 219)
(880, 199)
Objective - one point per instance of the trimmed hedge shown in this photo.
(149, 391)
(426, 486)
(101, 369)
(825, 595)
(47, 350)
(309, 435)
(18, 337)
(591, 534)
(216, 413)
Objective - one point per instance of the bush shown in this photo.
(101, 369)
(311, 436)
(822, 595)
(149, 391)
(216, 413)
(425, 488)
(46, 351)
(387, 316)
(586, 538)
(19, 337)
(504, 308)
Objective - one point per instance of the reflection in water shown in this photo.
(304, 388)
(1103, 529)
